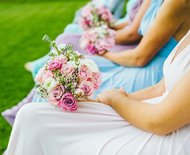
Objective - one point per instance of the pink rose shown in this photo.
(104, 44)
(107, 43)
(43, 75)
(91, 49)
(87, 88)
(93, 37)
(106, 16)
(99, 45)
(47, 74)
(68, 102)
(87, 22)
(96, 79)
(54, 65)
(83, 23)
(83, 72)
(62, 59)
(56, 94)
(104, 13)
(67, 69)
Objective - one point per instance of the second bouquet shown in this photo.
(97, 40)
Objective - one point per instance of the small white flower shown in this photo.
(50, 83)
(54, 51)
(78, 53)
(72, 63)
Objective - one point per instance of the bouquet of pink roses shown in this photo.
(93, 16)
(67, 77)
(97, 40)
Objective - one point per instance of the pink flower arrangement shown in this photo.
(93, 16)
(97, 40)
(67, 78)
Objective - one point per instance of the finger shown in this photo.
(123, 91)
(98, 98)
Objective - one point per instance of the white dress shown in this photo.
(96, 129)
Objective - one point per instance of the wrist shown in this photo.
(114, 99)
(107, 54)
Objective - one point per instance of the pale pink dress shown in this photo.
(96, 129)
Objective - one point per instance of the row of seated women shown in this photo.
(150, 115)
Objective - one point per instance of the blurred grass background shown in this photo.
(22, 25)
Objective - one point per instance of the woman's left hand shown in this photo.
(106, 96)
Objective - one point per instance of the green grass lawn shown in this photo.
(22, 26)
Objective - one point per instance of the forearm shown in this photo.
(150, 92)
(125, 58)
(135, 112)
(127, 36)
(121, 25)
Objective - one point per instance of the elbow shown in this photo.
(158, 128)
(134, 61)
(140, 61)
(131, 37)
(134, 37)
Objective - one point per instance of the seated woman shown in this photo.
(152, 121)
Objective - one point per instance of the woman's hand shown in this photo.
(106, 54)
(106, 96)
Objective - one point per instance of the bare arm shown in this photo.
(171, 114)
(170, 17)
(150, 92)
(121, 25)
(130, 34)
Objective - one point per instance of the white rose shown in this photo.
(79, 92)
(50, 83)
(90, 64)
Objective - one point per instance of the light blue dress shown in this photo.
(130, 78)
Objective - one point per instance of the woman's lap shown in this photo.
(94, 128)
